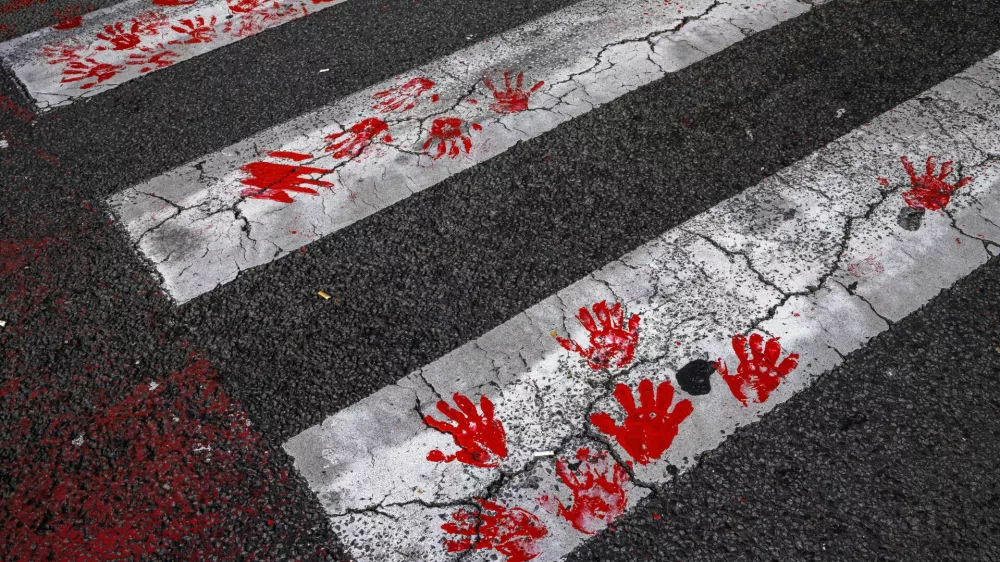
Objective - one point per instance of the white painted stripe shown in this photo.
(782, 258)
(122, 42)
(200, 231)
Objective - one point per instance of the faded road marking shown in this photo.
(773, 261)
(200, 230)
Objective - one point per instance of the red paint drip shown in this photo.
(512, 99)
(358, 137)
(611, 342)
(598, 491)
(448, 132)
(759, 373)
(269, 180)
(512, 532)
(404, 97)
(648, 429)
(930, 191)
(480, 437)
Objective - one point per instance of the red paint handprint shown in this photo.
(511, 99)
(59, 53)
(611, 341)
(930, 191)
(403, 97)
(758, 374)
(70, 17)
(89, 69)
(359, 136)
(119, 38)
(482, 439)
(196, 29)
(512, 532)
(268, 180)
(598, 492)
(243, 6)
(649, 429)
(448, 132)
(152, 58)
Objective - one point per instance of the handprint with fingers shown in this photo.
(91, 72)
(650, 428)
(511, 99)
(930, 191)
(480, 436)
(513, 532)
(610, 342)
(350, 143)
(403, 97)
(758, 373)
(448, 132)
(598, 491)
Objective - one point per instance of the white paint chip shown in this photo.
(78, 442)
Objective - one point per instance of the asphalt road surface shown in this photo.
(437, 280)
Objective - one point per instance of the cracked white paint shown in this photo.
(775, 259)
(30, 56)
(193, 224)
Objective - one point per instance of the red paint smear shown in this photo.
(71, 16)
(358, 137)
(512, 532)
(650, 427)
(402, 98)
(930, 191)
(295, 156)
(268, 180)
(481, 438)
(759, 373)
(512, 99)
(448, 132)
(8, 105)
(598, 491)
(68, 23)
(88, 69)
(157, 471)
(884, 182)
(612, 341)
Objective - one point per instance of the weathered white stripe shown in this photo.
(200, 232)
(58, 67)
(814, 255)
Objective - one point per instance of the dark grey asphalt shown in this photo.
(417, 280)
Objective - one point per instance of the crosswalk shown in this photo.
(530, 439)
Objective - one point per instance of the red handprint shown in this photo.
(120, 39)
(482, 439)
(598, 498)
(268, 180)
(243, 6)
(152, 58)
(447, 132)
(930, 191)
(360, 135)
(511, 100)
(404, 96)
(86, 69)
(609, 342)
(197, 30)
(512, 532)
(70, 17)
(57, 53)
(759, 374)
(649, 429)
(256, 16)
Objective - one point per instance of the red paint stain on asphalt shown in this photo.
(10, 106)
(481, 437)
(611, 340)
(273, 181)
(512, 532)
(70, 17)
(930, 191)
(447, 133)
(403, 97)
(18, 5)
(598, 491)
(151, 471)
(649, 428)
(758, 373)
(350, 143)
(512, 99)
